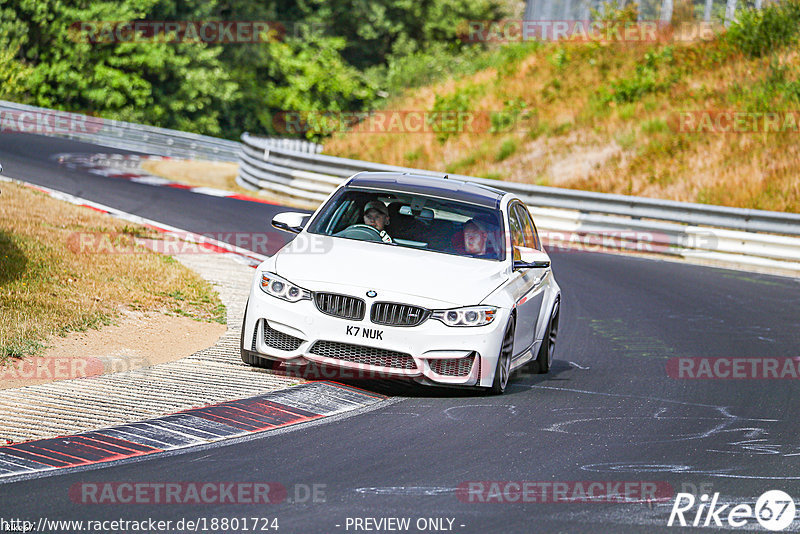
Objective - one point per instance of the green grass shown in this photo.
(461, 164)
(413, 155)
(654, 126)
(507, 148)
(572, 97)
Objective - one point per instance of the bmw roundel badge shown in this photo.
(371, 293)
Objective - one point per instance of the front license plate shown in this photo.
(367, 333)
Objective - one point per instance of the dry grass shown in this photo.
(575, 131)
(49, 289)
(217, 174)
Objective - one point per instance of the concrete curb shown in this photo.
(210, 376)
(188, 428)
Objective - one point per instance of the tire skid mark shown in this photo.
(727, 424)
(128, 167)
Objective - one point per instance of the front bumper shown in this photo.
(433, 353)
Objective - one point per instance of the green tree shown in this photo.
(309, 74)
(361, 48)
(375, 30)
(166, 84)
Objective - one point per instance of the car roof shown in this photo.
(429, 185)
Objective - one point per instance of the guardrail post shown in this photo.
(566, 13)
(530, 10)
(730, 12)
(666, 11)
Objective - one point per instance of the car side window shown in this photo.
(339, 218)
(517, 239)
(528, 228)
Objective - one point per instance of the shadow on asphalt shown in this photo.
(521, 381)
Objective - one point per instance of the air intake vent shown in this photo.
(279, 340)
(366, 355)
(454, 367)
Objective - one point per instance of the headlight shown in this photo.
(274, 285)
(469, 316)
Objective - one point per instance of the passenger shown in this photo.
(475, 237)
(376, 215)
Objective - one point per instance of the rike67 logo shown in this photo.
(774, 510)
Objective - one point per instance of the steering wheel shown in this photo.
(364, 232)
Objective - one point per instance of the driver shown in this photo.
(376, 215)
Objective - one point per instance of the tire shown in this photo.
(502, 372)
(545, 357)
(253, 359)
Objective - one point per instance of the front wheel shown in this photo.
(502, 371)
(545, 357)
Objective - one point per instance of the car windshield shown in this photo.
(413, 221)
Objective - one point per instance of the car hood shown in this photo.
(322, 262)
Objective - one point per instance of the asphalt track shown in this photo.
(608, 411)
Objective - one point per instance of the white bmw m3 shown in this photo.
(441, 281)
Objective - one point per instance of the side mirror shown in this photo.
(529, 258)
(290, 221)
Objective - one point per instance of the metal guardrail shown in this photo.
(646, 224)
(562, 10)
(116, 134)
(295, 145)
(314, 176)
(129, 136)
